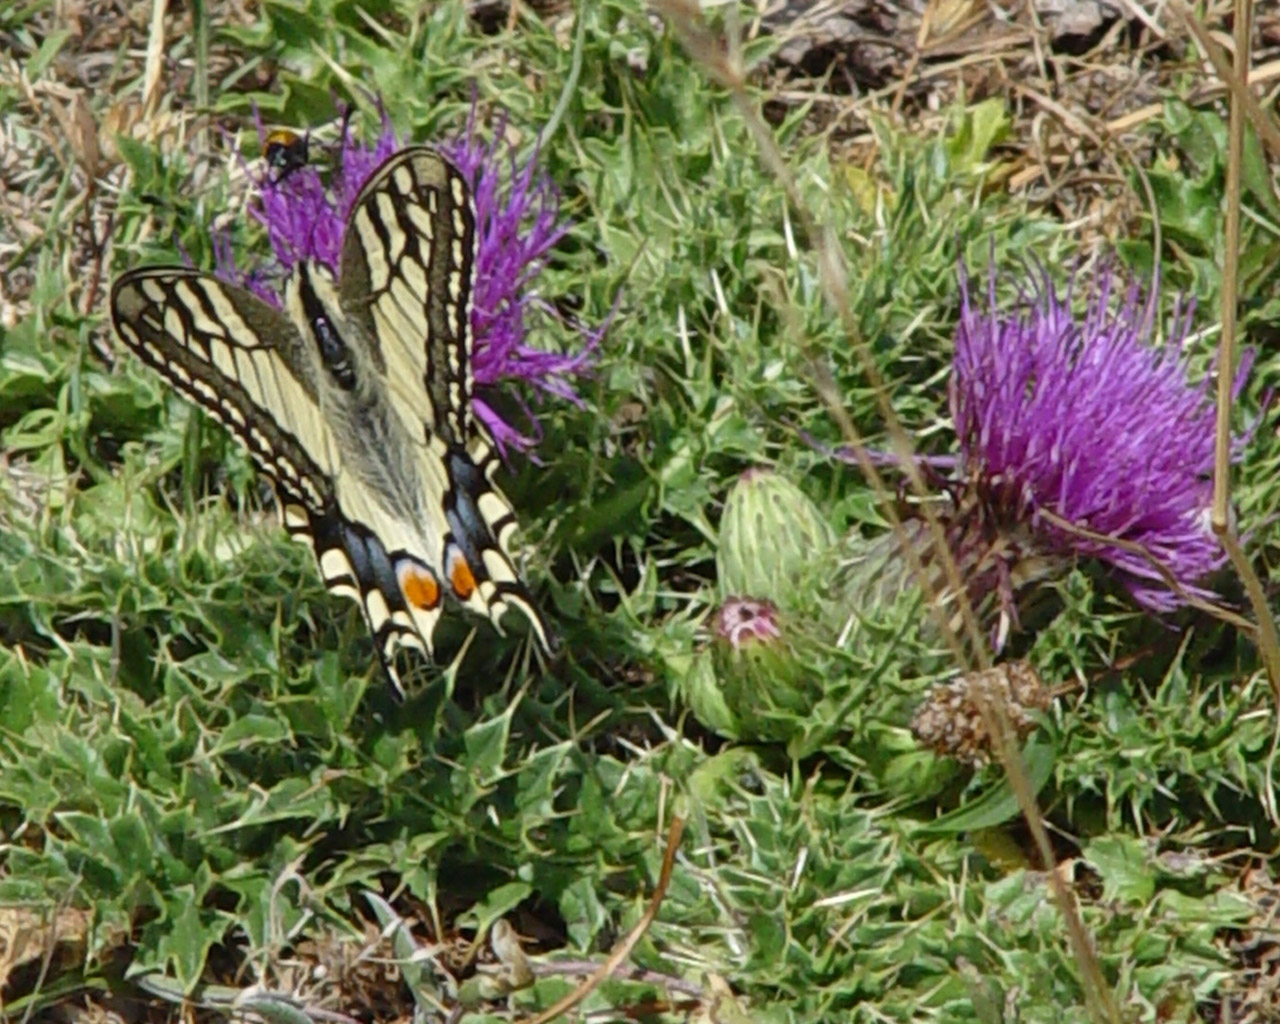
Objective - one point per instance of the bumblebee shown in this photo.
(285, 151)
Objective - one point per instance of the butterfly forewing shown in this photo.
(408, 263)
(242, 361)
(356, 401)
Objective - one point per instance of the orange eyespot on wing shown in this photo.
(419, 586)
(461, 578)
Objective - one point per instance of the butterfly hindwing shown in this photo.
(354, 562)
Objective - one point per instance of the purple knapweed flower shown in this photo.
(518, 223)
(1087, 421)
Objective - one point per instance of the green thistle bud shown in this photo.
(773, 541)
(767, 683)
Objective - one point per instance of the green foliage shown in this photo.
(1188, 185)
(195, 746)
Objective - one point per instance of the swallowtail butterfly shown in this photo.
(355, 401)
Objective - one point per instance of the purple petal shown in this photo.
(746, 620)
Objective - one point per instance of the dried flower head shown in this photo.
(518, 222)
(1070, 427)
(950, 719)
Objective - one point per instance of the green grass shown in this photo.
(195, 745)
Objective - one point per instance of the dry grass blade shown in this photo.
(624, 948)
(1208, 607)
(155, 60)
(1127, 122)
(1268, 643)
(722, 63)
(26, 935)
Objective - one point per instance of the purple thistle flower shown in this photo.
(518, 221)
(1088, 421)
(746, 620)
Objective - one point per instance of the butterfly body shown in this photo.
(355, 401)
